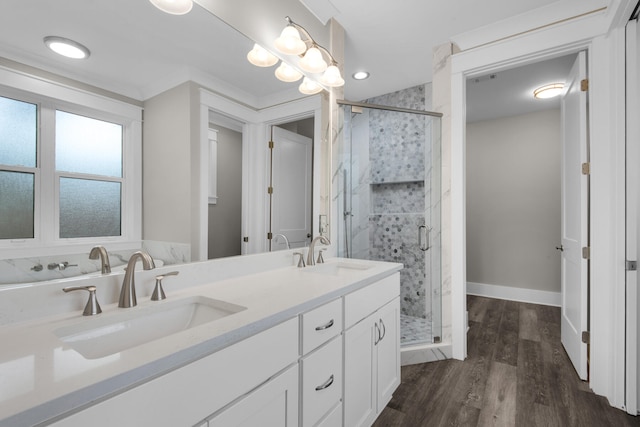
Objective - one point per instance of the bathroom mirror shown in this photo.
(138, 52)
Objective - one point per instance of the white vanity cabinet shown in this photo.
(371, 350)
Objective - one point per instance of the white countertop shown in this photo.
(42, 379)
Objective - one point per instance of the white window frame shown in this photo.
(49, 96)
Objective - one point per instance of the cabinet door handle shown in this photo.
(384, 330)
(325, 326)
(326, 384)
(376, 338)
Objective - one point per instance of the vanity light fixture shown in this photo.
(313, 59)
(173, 7)
(260, 57)
(66, 47)
(548, 91)
(360, 75)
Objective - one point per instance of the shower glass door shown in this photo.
(388, 205)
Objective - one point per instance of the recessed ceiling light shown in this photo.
(361, 75)
(548, 91)
(66, 47)
(174, 7)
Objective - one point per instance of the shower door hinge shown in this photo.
(586, 252)
(437, 340)
(584, 85)
(631, 265)
(269, 236)
(586, 337)
(270, 144)
(270, 190)
(586, 168)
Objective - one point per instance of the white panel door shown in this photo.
(292, 187)
(633, 217)
(575, 210)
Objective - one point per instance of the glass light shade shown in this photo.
(173, 7)
(548, 91)
(312, 61)
(332, 77)
(261, 57)
(290, 42)
(287, 74)
(309, 87)
(66, 47)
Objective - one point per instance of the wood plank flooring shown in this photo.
(516, 374)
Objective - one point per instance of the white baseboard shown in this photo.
(515, 294)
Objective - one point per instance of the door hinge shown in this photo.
(586, 252)
(270, 190)
(586, 168)
(245, 239)
(270, 144)
(631, 265)
(269, 236)
(584, 85)
(586, 337)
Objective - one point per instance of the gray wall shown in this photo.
(225, 216)
(513, 201)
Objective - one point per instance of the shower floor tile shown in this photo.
(414, 330)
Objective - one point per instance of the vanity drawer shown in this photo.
(321, 324)
(363, 302)
(321, 381)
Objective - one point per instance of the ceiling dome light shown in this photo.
(286, 73)
(332, 77)
(309, 87)
(261, 57)
(173, 7)
(312, 61)
(290, 42)
(66, 47)
(548, 91)
(360, 75)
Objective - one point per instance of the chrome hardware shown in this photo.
(92, 306)
(325, 326)
(323, 240)
(326, 384)
(586, 337)
(437, 340)
(560, 248)
(320, 259)
(384, 330)
(128, 291)
(631, 265)
(60, 265)
(586, 252)
(300, 260)
(37, 267)
(158, 291)
(101, 252)
(427, 233)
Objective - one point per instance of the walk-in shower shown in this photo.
(387, 197)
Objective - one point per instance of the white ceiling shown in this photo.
(138, 51)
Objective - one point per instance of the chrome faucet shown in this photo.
(101, 252)
(310, 254)
(128, 291)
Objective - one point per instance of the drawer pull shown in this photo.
(327, 384)
(325, 326)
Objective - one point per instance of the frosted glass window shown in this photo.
(16, 205)
(86, 145)
(89, 208)
(18, 133)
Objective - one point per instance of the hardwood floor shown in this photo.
(516, 374)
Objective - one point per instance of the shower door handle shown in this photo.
(424, 243)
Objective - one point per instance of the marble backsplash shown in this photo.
(37, 269)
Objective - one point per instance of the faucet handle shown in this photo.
(320, 259)
(92, 306)
(300, 260)
(158, 291)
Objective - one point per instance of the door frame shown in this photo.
(599, 34)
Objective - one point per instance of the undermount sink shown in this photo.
(117, 331)
(337, 268)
